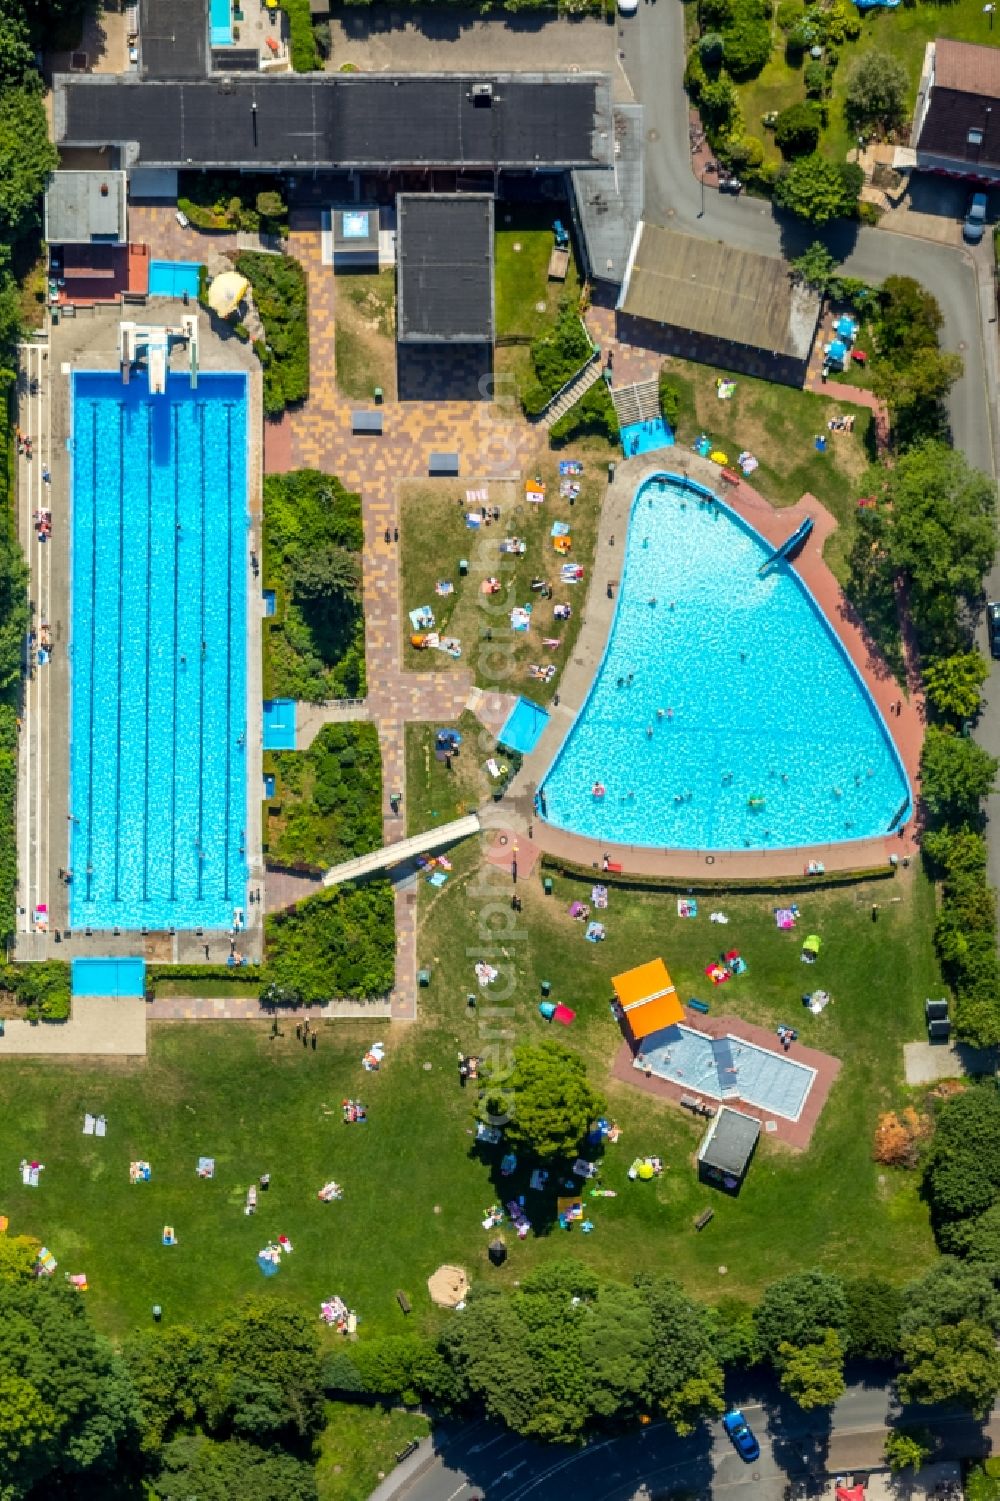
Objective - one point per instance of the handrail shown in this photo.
(595, 354)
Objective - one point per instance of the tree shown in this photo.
(818, 190)
(27, 157)
(195, 1467)
(263, 1377)
(710, 51)
(908, 1448)
(400, 1366)
(166, 1367)
(873, 1310)
(18, 1254)
(813, 1375)
(962, 1177)
(747, 40)
(798, 1309)
(685, 1376)
(815, 266)
(976, 1239)
(938, 536)
(877, 91)
(909, 318)
(951, 1292)
(17, 55)
(956, 1363)
(547, 1103)
(953, 684)
(735, 1334)
(70, 1399)
(955, 775)
(718, 103)
(916, 392)
(796, 130)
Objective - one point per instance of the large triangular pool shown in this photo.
(725, 714)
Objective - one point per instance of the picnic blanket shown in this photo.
(329, 1192)
(570, 466)
(595, 932)
(477, 497)
(139, 1172)
(89, 1124)
(45, 1262)
(30, 1172)
(375, 1054)
(599, 897)
(785, 917)
(687, 907)
(422, 618)
(520, 617)
(206, 1167)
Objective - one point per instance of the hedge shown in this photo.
(43, 988)
(765, 886)
(304, 52)
(240, 974)
(328, 799)
(280, 294)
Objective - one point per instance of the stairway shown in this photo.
(571, 393)
(639, 402)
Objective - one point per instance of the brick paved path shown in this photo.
(319, 436)
(239, 1008)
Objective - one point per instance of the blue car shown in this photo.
(742, 1435)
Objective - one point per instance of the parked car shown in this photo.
(993, 625)
(975, 218)
(182, 219)
(742, 1435)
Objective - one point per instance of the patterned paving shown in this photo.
(319, 436)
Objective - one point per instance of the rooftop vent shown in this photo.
(482, 94)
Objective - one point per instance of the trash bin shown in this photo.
(547, 885)
(463, 567)
(611, 471)
(546, 987)
(378, 396)
(423, 978)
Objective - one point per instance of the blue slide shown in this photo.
(789, 546)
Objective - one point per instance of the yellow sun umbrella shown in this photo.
(227, 292)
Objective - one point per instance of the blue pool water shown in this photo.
(643, 437)
(158, 652)
(221, 16)
(108, 977)
(728, 1068)
(279, 724)
(524, 727)
(740, 691)
(173, 278)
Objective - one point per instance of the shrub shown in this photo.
(710, 50)
(330, 799)
(304, 52)
(814, 77)
(796, 130)
(339, 943)
(43, 988)
(719, 104)
(556, 356)
(898, 1137)
(281, 298)
(715, 15)
(695, 77)
(313, 646)
(789, 13)
(594, 415)
(671, 395)
(747, 43)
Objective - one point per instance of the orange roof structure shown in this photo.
(648, 997)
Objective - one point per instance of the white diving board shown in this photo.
(405, 849)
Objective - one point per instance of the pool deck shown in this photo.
(90, 342)
(775, 525)
(796, 1134)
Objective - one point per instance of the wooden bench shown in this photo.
(403, 1302)
(696, 1005)
(701, 1220)
(730, 476)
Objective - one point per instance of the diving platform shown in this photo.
(403, 851)
(150, 344)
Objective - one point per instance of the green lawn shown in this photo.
(832, 1206)
(359, 1445)
(904, 32)
(526, 301)
(435, 795)
(434, 537)
(364, 334)
(779, 426)
(414, 1190)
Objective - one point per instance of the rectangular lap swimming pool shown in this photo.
(174, 278)
(158, 652)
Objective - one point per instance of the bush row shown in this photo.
(305, 53)
(44, 989)
(340, 943)
(280, 295)
(593, 415)
(556, 356)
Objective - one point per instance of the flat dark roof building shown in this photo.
(728, 1147)
(539, 121)
(173, 38)
(444, 258)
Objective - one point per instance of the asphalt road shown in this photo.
(479, 1460)
(797, 1450)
